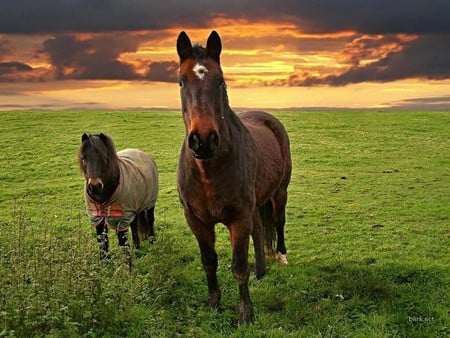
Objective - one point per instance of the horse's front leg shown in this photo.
(122, 236)
(258, 243)
(102, 240)
(240, 233)
(204, 233)
(140, 218)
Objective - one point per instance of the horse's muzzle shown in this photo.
(95, 186)
(203, 148)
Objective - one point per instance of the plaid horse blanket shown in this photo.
(137, 191)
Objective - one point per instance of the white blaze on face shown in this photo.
(200, 71)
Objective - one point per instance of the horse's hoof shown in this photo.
(260, 274)
(214, 300)
(246, 316)
(104, 256)
(281, 259)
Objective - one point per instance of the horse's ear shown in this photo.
(103, 137)
(184, 46)
(84, 137)
(214, 46)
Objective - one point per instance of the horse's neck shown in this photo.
(236, 132)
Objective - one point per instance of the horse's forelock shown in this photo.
(198, 52)
(102, 145)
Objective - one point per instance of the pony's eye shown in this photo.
(181, 84)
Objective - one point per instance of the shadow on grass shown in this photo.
(347, 297)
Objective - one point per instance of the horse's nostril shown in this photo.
(194, 141)
(213, 140)
(95, 185)
(203, 147)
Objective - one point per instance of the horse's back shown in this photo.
(263, 119)
(139, 176)
(255, 120)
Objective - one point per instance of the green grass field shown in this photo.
(367, 234)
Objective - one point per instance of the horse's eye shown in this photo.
(181, 84)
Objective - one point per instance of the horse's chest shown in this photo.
(218, 203)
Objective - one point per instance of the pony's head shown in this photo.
(98, 161)
(203, 94)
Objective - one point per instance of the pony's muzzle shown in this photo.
(95, 185)
(203, 148)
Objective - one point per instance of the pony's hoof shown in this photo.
(104, 256)
(245, 315)
(281, 259)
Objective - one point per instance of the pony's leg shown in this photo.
(150, 218)
(240, 237)
(258, 243)
(204, 233)
(102, 240)
(134, 230)
(122, 236)
(279, 213)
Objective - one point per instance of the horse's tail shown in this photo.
(144, 225)
(270, 235)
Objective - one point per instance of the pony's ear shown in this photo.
(184, 46)
(214, 46)
(84, 137)
(103, 137)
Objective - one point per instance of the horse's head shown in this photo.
(99, 162)
(203, 94)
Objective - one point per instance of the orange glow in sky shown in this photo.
(266, 65)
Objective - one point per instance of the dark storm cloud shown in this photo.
(12, 67)
(18, 71)
(30, 16)
(93, 58)
(98, 57)
(427, 58)
(374, 17)
(164, 71)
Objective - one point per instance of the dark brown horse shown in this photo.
(232, 169)
(120, 191)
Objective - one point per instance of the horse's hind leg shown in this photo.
(240, 232)
(279, 202)
(102, 240)
(150, 219)
(142, 227)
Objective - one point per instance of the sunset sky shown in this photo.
(121, 54)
